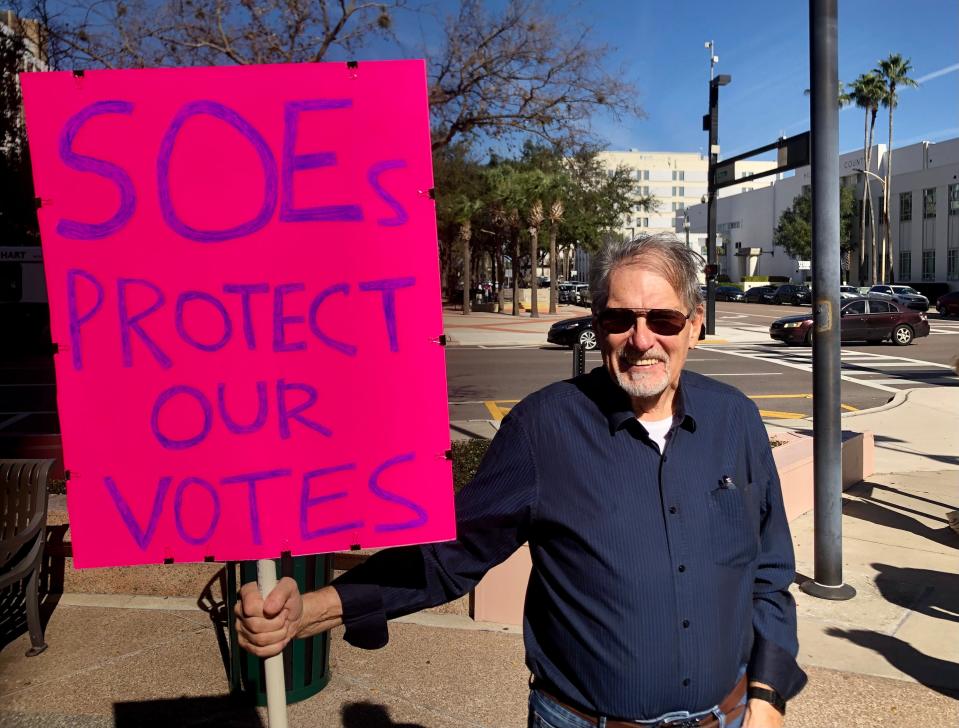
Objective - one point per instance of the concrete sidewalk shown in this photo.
(131, 647)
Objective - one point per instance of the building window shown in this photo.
(905, 265)
(679, 175)
(952, 264)
(643, 221)
(679, 191)
(905, 206)
(678, 207)
(954, 199)
(929, 202)
(928, 265)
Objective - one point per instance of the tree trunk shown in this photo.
(465, 234)
(865, 191)
(872, 217)
(887, 234)
(500, 276)
(516, 273)
(553, 232)
(533, 283)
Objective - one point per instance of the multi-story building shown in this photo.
(677, 180)
(924, 218)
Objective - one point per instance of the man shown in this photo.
(651, 503)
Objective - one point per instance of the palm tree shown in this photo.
(894, 72)
(555, 216)
(867, 93)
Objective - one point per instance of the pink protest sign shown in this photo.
(244, 291)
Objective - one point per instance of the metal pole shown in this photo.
(827, 429)
(711, 201)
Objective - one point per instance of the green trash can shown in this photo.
(306, 662)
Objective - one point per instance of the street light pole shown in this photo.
(872, 225)
(827, 582)
(686, 225)
(711, 124)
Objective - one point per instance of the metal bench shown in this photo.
(23, 525)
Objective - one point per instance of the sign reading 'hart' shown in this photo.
(243, 283)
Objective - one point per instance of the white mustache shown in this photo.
(631, 358)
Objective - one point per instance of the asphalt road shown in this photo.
(485, 383)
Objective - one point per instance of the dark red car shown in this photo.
(948, 304)
(861, 319)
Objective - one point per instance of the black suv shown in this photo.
(759, 294)
(796, 295)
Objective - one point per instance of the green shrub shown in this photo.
(467, 456)
(756, 279)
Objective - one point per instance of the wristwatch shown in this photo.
(769, 696)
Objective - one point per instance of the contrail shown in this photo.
(941, 72)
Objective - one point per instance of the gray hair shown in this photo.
(663, 253)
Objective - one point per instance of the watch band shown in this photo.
(769, 696)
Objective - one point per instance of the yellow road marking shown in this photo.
(791, 415)
(777, 415)
(495, 410)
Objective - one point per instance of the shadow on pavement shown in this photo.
(932, 593)
(370, 715)
(936, 674)
(891, 515)
(222, 711)
(888, 443)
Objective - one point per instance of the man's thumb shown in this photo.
(278, 598)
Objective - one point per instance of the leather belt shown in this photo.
(729, 707)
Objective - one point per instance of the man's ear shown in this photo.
(697, 320)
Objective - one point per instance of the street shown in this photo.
(483, 383)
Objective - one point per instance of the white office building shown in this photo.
(924, 217)
(677, 180)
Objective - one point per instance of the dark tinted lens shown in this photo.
(665, 321)
(617, 320)
(662, 321)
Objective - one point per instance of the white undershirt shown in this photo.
(658, 430)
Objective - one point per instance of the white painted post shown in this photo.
(273, 666)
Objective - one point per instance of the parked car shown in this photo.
(582, 295)
(948, 304)
(861, 319)
(793, 294)
(566, 293)
(905, 295)
(728, 293)
(848, 292)
(760, 294)
(572, 331)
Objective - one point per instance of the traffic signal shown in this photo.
(711, 270)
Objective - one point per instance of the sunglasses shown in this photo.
(662, 321)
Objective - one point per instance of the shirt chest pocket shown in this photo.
(733, 527)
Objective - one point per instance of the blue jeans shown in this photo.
(544, 712)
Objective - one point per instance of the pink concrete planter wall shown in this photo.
(499, 596)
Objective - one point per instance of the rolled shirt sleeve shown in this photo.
(492, 521)
(775, 645)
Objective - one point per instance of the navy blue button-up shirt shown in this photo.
(656, 576)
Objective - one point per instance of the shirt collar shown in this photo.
(618, 409)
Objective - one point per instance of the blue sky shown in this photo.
(764, 46)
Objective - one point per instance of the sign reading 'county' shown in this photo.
(244, 290)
